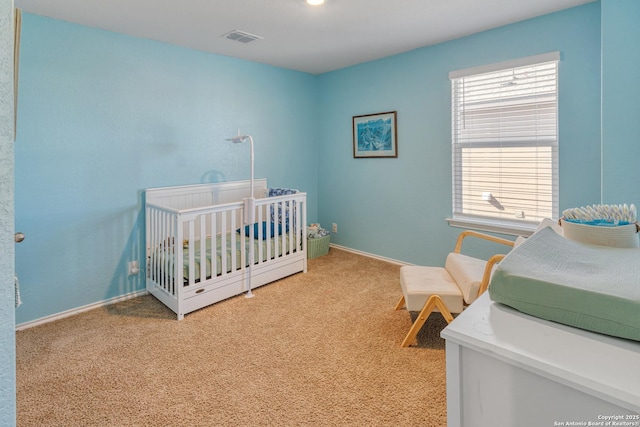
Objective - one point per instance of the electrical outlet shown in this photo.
(334, 228)
(134, 268)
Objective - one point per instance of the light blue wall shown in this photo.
(103, 116)
(620, 107)
(7, 293)
(397, 207)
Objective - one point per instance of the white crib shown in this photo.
(198, 247)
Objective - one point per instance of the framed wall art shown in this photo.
(375, 135)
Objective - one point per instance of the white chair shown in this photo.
(447, 289)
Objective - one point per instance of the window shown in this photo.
(505, 144)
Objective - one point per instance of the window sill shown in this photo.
(493, 226)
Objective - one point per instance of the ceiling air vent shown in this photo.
(241, 36)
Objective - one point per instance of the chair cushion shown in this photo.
(467, 272)
(419, 283)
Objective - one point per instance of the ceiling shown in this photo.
(313, 39)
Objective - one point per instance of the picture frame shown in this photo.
(375, 135)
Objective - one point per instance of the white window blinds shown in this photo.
(505, 141)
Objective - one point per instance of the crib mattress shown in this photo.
(167, 258)
(596, 288)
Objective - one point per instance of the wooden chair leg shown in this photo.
(433, 302)
(400, 303)
(422, 317)
(444, 311)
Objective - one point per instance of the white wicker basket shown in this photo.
(622, 236)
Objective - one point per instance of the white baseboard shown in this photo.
(136, 294)
(367, 254)
(74, 311)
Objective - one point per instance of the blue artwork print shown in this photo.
(375, 135)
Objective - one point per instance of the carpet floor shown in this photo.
(317, 349)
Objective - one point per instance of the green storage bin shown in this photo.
(318, 246)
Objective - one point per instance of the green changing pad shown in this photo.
(596, 288)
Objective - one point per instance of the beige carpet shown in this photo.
(321, 348)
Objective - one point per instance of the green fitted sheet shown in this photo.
(276, 249)
(596, 288)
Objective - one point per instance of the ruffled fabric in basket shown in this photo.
(605, 225)
(315, 231)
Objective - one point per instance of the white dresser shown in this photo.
(506, 368)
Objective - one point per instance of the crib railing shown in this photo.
(173, 233)
(285, 222)
(194, 247)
